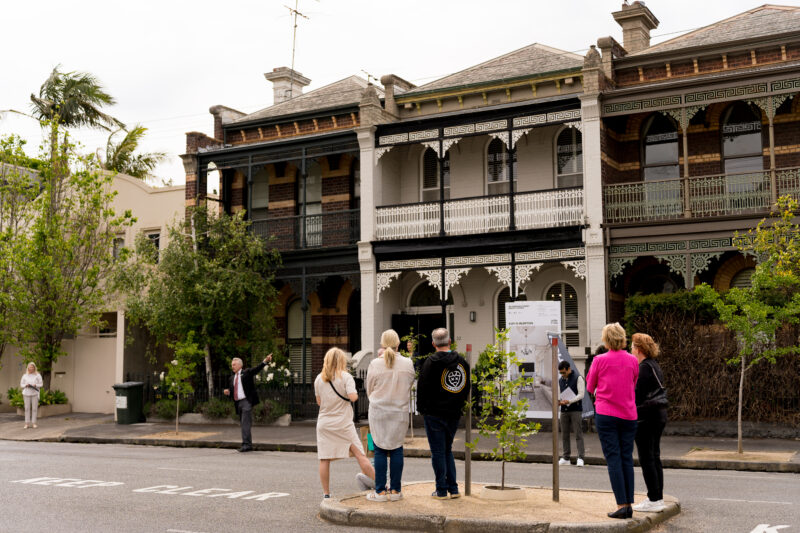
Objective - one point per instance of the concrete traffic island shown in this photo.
(577, 511)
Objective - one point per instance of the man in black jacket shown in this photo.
(243, 392)
(441, 394)
(571, 411)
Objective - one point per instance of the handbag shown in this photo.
(656, 398)
(337, 393)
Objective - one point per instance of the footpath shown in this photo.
(415, 511)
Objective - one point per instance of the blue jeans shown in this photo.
(440, 432)
(616, 439)
(395, 468)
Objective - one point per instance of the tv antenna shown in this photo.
(295, 13)
(370, 77)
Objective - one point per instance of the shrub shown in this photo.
(165, 408)
(268, 411)
(48, 397)
(217, 408)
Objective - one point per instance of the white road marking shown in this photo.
(182, 531)
(183, 469)
(766, 528)
(68, 482)
(749, 501)
(226, 493)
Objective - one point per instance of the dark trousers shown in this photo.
(395, 460)
(570, 422)
(616, 439)
(440, 432)
(246, 419)
(648, 444)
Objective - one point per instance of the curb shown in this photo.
(335, 512)
(689, 464)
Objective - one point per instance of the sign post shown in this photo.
(555, 398)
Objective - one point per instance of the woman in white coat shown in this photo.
(30, 384)
(389, 380)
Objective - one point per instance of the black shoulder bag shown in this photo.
(337, 393)
(656, 398)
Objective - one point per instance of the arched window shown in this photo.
(260, 200)
(660, 149)
(294, 340)
(565, 293)
(741, 139)
(497, 167)
(426, 295)
(430, 176)
(743, 279)
(503, 297)
(569, 158)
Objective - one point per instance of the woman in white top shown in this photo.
(30, 384)
(337, 438)
(389, 381)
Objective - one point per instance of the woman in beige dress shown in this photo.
(337, 438)
(389, 381)
(30, 384)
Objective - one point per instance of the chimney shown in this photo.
(286, 83)
(636, 21)
(392, 86)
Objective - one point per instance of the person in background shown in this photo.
(389, 380)
(443, 389)
(652, 420)
(337, 438)
(31, 383)
(571, 412)
(245, 397)
(612, 378)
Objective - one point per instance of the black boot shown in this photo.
(622, 512)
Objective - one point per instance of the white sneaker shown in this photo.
(579, 462)
(395, 496)
(365, 482)
(650, 507)
(562, 462)
(375, 497)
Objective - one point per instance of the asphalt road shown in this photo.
(56, 487)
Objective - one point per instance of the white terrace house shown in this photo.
(481, 192)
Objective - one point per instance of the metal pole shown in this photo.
(554, 389)
(468, 437)
(440, 157)
(510, 153)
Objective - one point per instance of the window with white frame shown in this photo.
(565, 293)
(430, 176)
(569, 158)
(497, 172)
(660, 149)
(742, 144)
(259, 203)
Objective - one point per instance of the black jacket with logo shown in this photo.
(443, 385)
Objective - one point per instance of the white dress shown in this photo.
(335, 428)
(389, 392)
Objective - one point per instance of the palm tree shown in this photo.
(73, 99)
(121, 157)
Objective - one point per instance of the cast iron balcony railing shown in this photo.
(698, 197)
(323, 230)
(481, 214)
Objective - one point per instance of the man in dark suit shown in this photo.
(243, 392)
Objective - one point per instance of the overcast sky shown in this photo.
(166, 62)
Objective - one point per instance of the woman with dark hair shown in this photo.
(612, 379)
(652, 419)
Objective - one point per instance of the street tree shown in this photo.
(214, 277)
(18, 186)
(759, 313)
(180, 371)
(64, 254)
(122, 156)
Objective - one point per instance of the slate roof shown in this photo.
(763, 21)
(337, 94)
(528, 61)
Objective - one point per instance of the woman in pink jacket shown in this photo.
(612, 378)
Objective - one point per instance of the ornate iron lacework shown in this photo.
(410, 264)
(516, 135)
(434, 278)
(422, 135)
(451, 277)
(447, 143)
(383, 280)
(477, 260)
(503, 136)
(433, 145)
(579, 267)
(482, 127)
(701, 244)
(676, 263)
(503, 274)
(642, 105)
(785, 85)
(726, 94)
(523, 273)
(640, 248)
(616, 265)
(770, 104)
(543, 255)
(380, 151)
(463, 129)
(700, 261)
(393, 139)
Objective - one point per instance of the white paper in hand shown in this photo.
(567, 395)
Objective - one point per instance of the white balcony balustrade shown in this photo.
(485, 214)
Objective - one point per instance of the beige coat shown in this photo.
(335, 428)
(388, 390)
